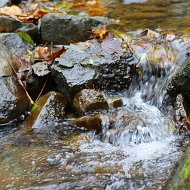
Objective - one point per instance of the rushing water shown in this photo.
(138, 152)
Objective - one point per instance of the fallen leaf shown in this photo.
(57, 54)
(44, 54)
(41, 53)
(99, 33)
(39, 13)
(11, 11)
(89, 86)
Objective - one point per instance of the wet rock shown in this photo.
(35, 84)
(15, 2)
(4, 3)
(15, 43)
(180, 116)
(9, 24)
(13, 99)
(65, 29)
(46, 113)
(95, 122)
(115, 102)
(107, 68)
(88, 100)
(31, 29)
(180, 85)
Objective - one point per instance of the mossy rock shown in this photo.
(181, 179)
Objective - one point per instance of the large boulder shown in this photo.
(180, 85)
(46, 113)
(13, 99)
(102, 64)
(65, 29)
(14, 43)
(88, 100)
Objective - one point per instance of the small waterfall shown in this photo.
(141, 119)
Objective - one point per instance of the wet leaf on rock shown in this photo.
(58, 53)
(99, 33)
(45, 54)
(26, 37)
(39, 13)
(41, 53)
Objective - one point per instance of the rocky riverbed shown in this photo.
(86, 107)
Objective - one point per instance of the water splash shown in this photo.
(137, 122)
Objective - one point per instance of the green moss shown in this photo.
(181, 179)
(26, 37)
(184, 173)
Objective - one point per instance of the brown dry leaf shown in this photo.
(44, 54)
(11, 11)
(39, 13)
(41, 53)
(99, 33)
(89, 86)
(57, 54)
(188, 120)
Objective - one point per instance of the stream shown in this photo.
(139, 153)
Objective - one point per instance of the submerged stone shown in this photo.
(65, 29)
(13, 99)
(106, 65)
(88, 100)
(46, 113)
(95, 122)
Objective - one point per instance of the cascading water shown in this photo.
(141, 118)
